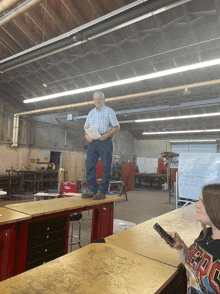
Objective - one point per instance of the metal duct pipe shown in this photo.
(18, 10)
(6, 4)
(130, 96)
(72, 35)
(15, 131)
(70, 106)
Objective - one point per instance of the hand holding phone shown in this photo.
(164, 235)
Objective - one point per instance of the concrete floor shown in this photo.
(143, 204)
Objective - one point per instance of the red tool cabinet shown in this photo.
(69, 187)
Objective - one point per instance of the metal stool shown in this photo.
(73, 218)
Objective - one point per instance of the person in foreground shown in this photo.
(202, 258)
(103, 118)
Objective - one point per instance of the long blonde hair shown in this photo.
(211, 199)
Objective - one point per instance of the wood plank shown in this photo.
(73, 163)
(37, 208)
(143, 239)
(8, 216)
(53, 15)
(96, 268)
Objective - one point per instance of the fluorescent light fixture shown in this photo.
(192, 141)
(128, 81)
(178, 117)
(181, 132)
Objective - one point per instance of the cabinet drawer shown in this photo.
(47, 226)
(46, 238)
(42, 251)
(41, 261)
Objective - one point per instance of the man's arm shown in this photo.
(110, 133)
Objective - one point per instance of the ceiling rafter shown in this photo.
(73, 11)
(191, 30)
(53, 15)
(38, 22)
(121, 3)
(123, 54)
(205, 13)
(217, 7)
(12, 45)
(96, 8)
(26, 30)
(144, 47)
(90, 64)
(14, 37)
(192, 22)
(168, 46)
(105, 58)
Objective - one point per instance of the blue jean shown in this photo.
(95, 150)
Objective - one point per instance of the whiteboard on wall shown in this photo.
(147, 165)
(196, 170)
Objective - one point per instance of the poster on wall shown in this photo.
(195, 171)
(147, 165)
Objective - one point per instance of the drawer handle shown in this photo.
(104, 208)
(48, 228)
(45, 250)
(48, 236)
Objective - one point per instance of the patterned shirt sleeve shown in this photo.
(113, 119)
(87, 123)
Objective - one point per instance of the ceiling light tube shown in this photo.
(129, 81)
(181, 132)
(178, 117)
(192, 141)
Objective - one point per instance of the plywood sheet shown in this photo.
(96, 268)
(45, 207)
(13, 157)
(8, 216)
(73, 163)
(143, 239)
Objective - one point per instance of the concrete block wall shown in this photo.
(151, 148)
(123, 145)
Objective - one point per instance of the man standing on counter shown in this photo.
(104, 120)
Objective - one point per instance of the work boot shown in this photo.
(99, 196)
(88, 194)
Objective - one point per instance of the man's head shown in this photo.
(99, 99)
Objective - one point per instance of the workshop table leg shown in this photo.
(102, 221)
(21, 248)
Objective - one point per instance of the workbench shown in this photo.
(150, 178)
(9, 222)
(44, 237)
(144, 240)
(39, 179)
(96, 268)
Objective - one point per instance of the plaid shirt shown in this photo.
(104, 120)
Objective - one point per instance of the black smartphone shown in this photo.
(164, 235)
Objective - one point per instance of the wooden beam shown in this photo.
(121, 3)
(20, 10)
(26, 30)
(38, 22)
(9, 42)
(73, 11)
(96, 8)
(57, 20)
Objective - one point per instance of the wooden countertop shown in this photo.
(96, 268)
(8, 216)
(144, 240)
(37, 208)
